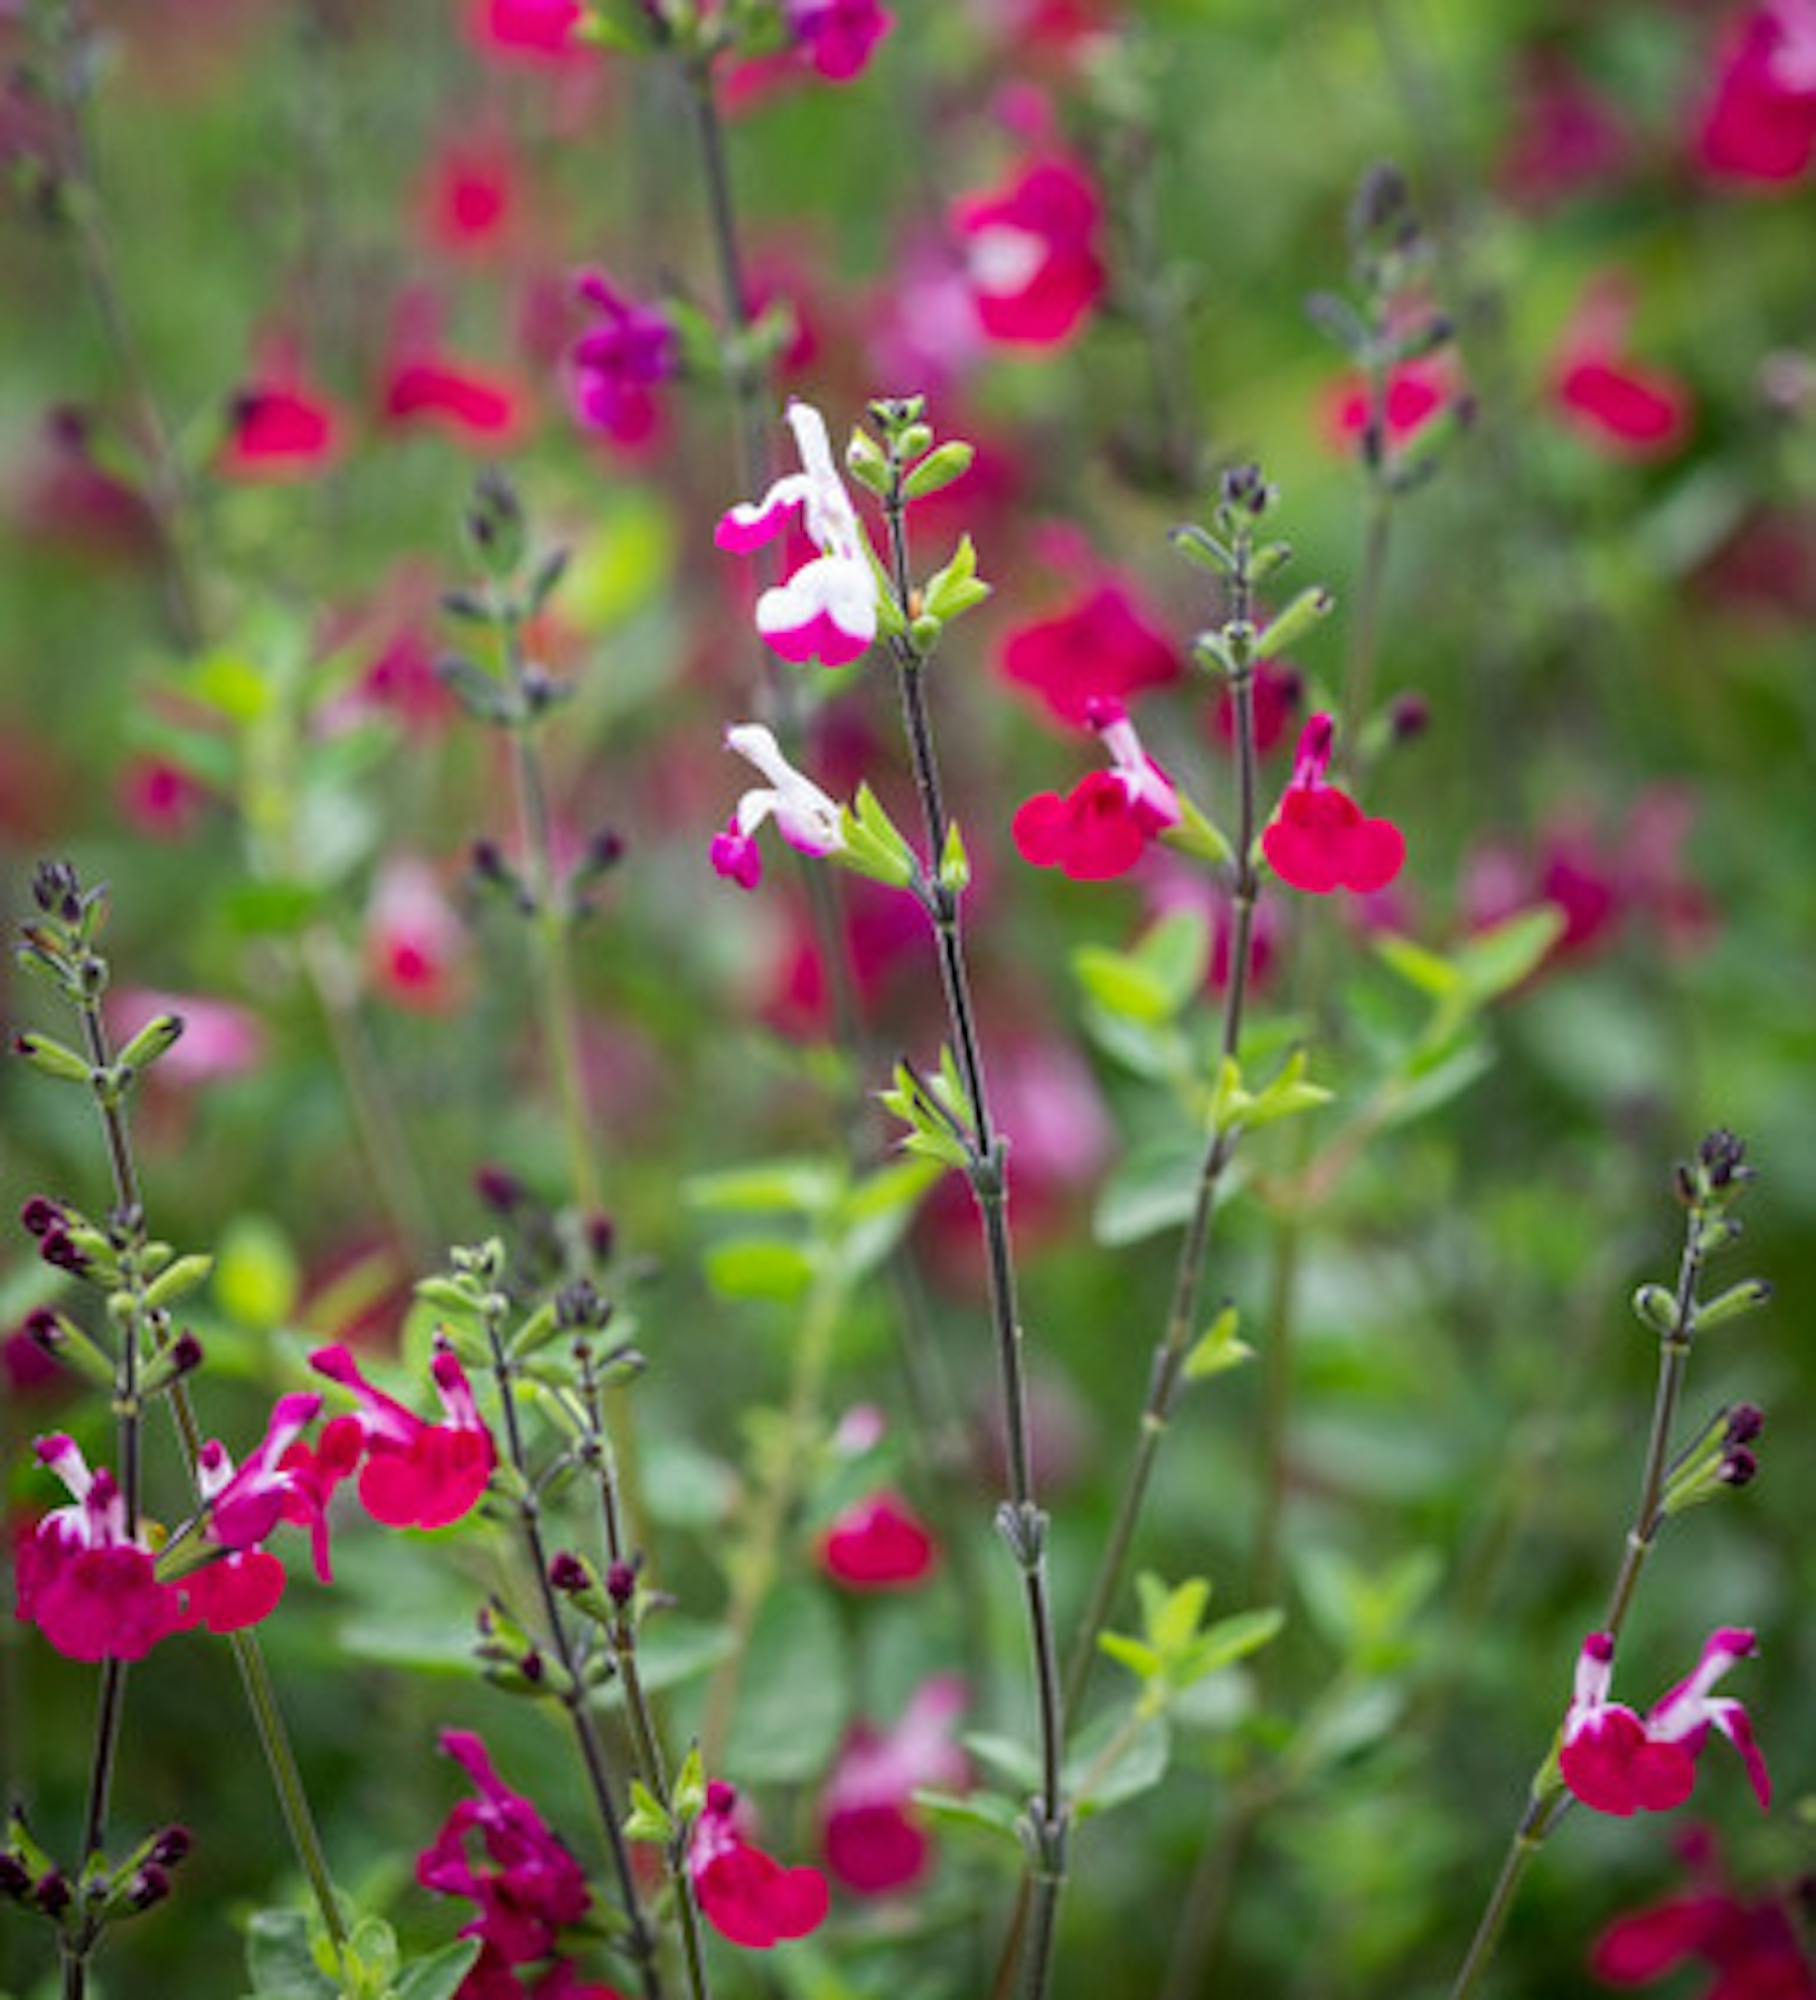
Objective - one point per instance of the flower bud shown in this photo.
(1738, 1467)
(40, 1215)
(567, 1572)
(150, 1885)
(1745, 1422)
(170, 1846)
(15, 1877)
(51, 1892)
(621, 1583)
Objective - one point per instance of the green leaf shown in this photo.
(795, 1692)
(1155, 1187)
(1285, 1096)
(1123, 985)
(256, 1275)
(270, 909)
(648, 1818)
(1225, 1642)
(1419, 967)
(759, 1267)
(1198, 835)
(1007, 1755)
(978, 1812)
(280, 1959)
(791, 1187)
(1140, 1660)
(939, 469)
(1218, 1348)
(1497, 960)
(955, 589)
(1177, 952)
(1300, 618)
(438, 1976)
(1138, 1767)
(1172, 1616)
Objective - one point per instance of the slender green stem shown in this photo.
(1365, 628)
(1167, 1369)
(640, 1942)
(1023, 1523)
(1540, 1816)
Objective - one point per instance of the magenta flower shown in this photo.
(1620, 405)
(1102, 646)
(219, 1038)
(160, 799)
(540, 31)
(280, 430)
(468, 197)
(1277, 690)
(617, 362)
(746, 1895)
(878, 1543)
(1319, 839)
(805, 817)
(826, 610)
(416, 1474)
(1618, 1762)
(1566, 137)
(874, 1840)
(1102, 827)
(246, 1505)
(837, 36)
(1032, 253)
(497, 1851)
(1416, 392)
(1759, 124)
(415, 942)
(86, 1584)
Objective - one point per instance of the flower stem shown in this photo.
(1024, 1525)
(1175, 1343)
(1541, 1814)
(640, 1943)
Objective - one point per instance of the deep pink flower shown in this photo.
(874, 1839)
(281, 430)
(746, 1895)
(1621, 1763)
(619, 361)
(246, 1505)
(235, 1591)
(1319, 838)
(464, 402)
(416, 1474)
(85, 1583)
(1102, 827)
(469, 196)
(416, 945)
(401, 681)
(1750, 1944)
(1416, 392)
(1101, 646)
(315, 1472)
(1277, 693)
(1032, 253)
(1566, 136)
(1622, 406)
(160, 799)
(527, 1885)
(878, 1543)
(838, 36)
(534, 30)
(1758, 125)
(826, 609)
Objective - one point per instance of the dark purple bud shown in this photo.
(57, 890)
(601, 1235)
(40, 1215)
(530, 1666)
(1684, 1185)
(1244, 487)
(579, 1305)
(488, 861)
(51, 1892)
(171, 1846)
(621, 1582)
(58, 1249)
(1722, 1156)
(497, 1189)
(1738, 1467)
(185, 1353)
(567, 1572)
(15, 1877)
(1410, 716)
(43, 1330)
(1745, 1422)
(605, 850)
(150, 1885)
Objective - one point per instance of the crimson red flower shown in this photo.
(620, 361)
(280, 430)
(1102, 827)
(1618, 1762)
(878, 1543)
(746, 1895)
(539, 31)
(875, 1841)
(1622, 406)
(160, 799)
(1032, 253)
(1759, 123)
(1416, 392)
(1319, 838)
(838, 37)
(1101, 646)
(464, 402)
(417, 1474)
(469, 196)
(1750, 1944)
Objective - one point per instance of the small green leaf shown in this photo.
(978, 1812)
(759, 1267)
(1306, 612)
(1497, 960)
(1419, 967)
(1140, 1660)
(279, 1957)
(1217, 1348)
(180, 1278)
(1121, 984)
(1224, 1643)
(648, 1818)
(799, 1187)
(438, 1977)
(955, 589)
(939, 469)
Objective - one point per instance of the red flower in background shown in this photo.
(620, 360)
(838, 37)
(538, 31)
(415, 943)
(1102, 646)
(1319, 839)
(1566, 137)
(879, 1543)
(1032, 253)
(874, 1839)
(1278, 690)
(471, 405)
(1416, 392)
(1625, 407)
(1750, 1944)
(1758, 125)
(160, 799)
(746, 1895)
(280, 430)
(1102, 827)
(469, 196)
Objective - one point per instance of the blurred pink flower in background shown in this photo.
(747, 1896)
(1102, 644)
(280, 429)
(1625, 407)
(534, 31)
(219, 1039)
(1033, 252)
(1416, 392)
(873, 1838)
(878, 1543)
(1757, 125)
(64, 495)
(416, 945)
(1567, 138)
(470, 195)
(159, 798)
(838, 37)
(626, 352)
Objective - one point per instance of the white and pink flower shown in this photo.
(806, 817)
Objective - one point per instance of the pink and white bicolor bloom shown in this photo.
(87, 1584)
(874, 1840)
(246, 1505)
(826, 610)
(1619, 1762)
(416, 1474)
(806, 817)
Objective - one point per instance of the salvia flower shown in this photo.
(243, 1586)
(1102, 827)
(1319, 838)
(804, 815)
(1032, 253)
(747, 1896)
(1758, 126)
(878, 1543)
(1100, 646)
(826, 610)
(280, 430)
(497, 1851)
(1619, 1762)
(838, 37)
(874, 1840)
(1624, 407)
(417, 1474)
(87, 1584)
(629, 351)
